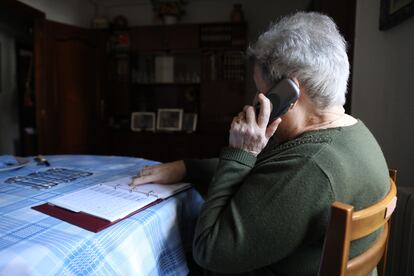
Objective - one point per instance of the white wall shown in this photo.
(8, 95)
(383, 87)
(72, 12)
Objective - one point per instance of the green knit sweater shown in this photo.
(267, 215)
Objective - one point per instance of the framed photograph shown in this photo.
(169, 119)
(143, 121)
(394, 12)
(189, 122)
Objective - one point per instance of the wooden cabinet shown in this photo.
(220, 101)
(206, 76)
(170, 37)
(87, 88)
(17, 21)
(165, 146)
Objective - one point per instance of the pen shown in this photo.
(41, 160)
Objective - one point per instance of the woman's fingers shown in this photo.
(263, 118)
(167, 173)
(250, 115)
(250, 135)
(143, 179)
(148, 174)
(272, 127)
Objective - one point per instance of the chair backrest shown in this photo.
(345, 225)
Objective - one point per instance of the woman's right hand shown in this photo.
(167, 173)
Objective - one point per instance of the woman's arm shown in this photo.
(255, 217)
(199, 172)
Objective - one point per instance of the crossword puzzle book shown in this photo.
(97, 207)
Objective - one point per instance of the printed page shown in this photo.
(154, 190)
(103, 201)
(115, 199)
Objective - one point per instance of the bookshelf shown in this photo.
(197, 69)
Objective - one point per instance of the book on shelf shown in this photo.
(164, 69)
(223, 35)
(228, 65)
(99, 206)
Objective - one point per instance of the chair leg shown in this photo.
(382, 265)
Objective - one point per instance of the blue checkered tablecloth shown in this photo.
(152, 242)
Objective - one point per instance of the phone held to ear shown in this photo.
(282, 96)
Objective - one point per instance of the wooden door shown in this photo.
(67, 89)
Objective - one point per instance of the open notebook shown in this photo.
(109, 201)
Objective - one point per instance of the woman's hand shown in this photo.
(167, 173)
(250, 135)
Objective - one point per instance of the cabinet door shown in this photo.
(182, 37)
(148, 38)
(220, 101)
(66, 99)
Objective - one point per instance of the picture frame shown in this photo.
(189, 122)
(169, 119)
(393, 12)
(143, 121)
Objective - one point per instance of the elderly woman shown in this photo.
(270, 190)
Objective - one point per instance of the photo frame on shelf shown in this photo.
(189, 122)
(393, 12)
(169, 119)
(143, 121)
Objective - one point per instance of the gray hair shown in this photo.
(308, 47)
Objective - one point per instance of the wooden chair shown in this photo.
(345, 225)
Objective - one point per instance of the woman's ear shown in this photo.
(295, 80)
(293, 104)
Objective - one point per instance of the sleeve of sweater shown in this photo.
(199, 173)
(255, 217)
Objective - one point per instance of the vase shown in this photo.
(170, 19)
(237, 14)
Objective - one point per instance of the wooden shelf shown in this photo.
(168, 84)
(166, 146)
(204, 52)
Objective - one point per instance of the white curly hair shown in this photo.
(306, 46)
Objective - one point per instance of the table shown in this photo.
(152, 242)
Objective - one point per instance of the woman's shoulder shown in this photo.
(305, 145)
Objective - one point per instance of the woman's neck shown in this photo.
(320, 119)
(303, 120)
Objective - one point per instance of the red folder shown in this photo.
(83, 220)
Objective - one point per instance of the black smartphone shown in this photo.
(282, 96)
